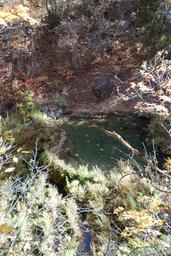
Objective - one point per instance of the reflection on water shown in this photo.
(87, 145)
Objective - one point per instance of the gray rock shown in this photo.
(102, 87)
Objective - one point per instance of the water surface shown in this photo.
(92, 147)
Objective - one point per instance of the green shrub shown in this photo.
(152, 23)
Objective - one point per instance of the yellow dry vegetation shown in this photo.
(167, 164)
(4, 228)
(18, 13)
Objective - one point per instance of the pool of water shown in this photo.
(86, 145)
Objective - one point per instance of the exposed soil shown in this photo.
(62, 65)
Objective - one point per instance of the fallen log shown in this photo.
(136, 152)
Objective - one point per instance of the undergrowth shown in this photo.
(45, 211)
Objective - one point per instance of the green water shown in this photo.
(90, 146)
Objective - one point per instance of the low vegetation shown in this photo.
(46, 204)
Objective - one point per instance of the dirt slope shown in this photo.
(61, 65)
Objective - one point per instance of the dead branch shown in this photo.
(162, 190)
(136, 152)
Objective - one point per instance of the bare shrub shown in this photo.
(157, 71)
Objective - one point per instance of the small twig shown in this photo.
(124, 176)
(165, 129)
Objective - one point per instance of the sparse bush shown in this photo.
(27, 107)
(35, 218)
(157, 72)
(159, 132)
